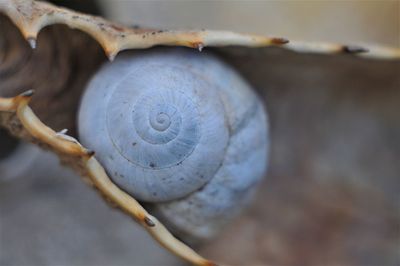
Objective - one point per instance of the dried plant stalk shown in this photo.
(15, 114)
(31, 16)
(83, 160)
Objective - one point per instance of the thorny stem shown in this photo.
(85, 162)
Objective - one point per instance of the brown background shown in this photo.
(331, 196)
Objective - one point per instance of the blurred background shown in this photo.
(335, 21)
(332, 192)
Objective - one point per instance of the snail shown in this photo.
(178, 129)
(133, 108)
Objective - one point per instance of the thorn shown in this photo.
(63, 135)
(279, 41)
(32, 42)
(64, 131)
(28, 93)
(149, 222)
(197, 45)
(90, 153)
(111, 55)
(352, 49)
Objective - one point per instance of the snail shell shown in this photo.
(178, 129)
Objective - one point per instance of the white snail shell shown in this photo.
(180, 129)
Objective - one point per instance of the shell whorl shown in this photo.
(161, 128)
(162, 124)
(181, 129)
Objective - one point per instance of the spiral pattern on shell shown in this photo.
(179, 129)
(162, 128)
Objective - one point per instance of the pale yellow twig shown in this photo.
(88, 164)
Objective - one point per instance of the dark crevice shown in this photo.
(88, 6)
(8, 144)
